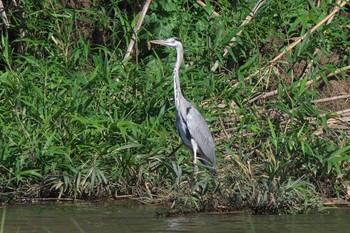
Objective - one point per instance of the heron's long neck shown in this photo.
(177, 88)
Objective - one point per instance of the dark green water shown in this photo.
(131, 217)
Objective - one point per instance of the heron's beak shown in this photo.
(161, 42)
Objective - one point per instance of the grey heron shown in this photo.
(190, 124)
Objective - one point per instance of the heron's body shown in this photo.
(190, 124)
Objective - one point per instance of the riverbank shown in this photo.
(81, 118)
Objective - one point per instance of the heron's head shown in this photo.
(173, 42)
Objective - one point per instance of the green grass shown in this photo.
(78, 121)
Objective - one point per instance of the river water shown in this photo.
(131, 217)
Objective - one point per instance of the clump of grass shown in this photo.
(79, 121)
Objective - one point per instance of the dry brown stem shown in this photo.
(3, 15)
(137, 28)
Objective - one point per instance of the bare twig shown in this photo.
(247, 20)
(137, 27)
(3, 15)
(204, 5)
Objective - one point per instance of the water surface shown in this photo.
(133, 217)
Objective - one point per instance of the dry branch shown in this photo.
(247, 20)
(3, 15)
(137, 28)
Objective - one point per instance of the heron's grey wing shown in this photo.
(200, 132)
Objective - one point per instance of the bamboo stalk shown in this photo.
(137, 28)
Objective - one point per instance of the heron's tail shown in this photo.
(209, 166)
(212, 171)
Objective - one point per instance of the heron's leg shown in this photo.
(195, 147)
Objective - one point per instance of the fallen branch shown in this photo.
(247, 20)
(137, 28)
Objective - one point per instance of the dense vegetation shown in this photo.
(78, 120)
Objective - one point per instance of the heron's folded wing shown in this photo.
(200, 132)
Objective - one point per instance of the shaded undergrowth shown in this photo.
(79, 121)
